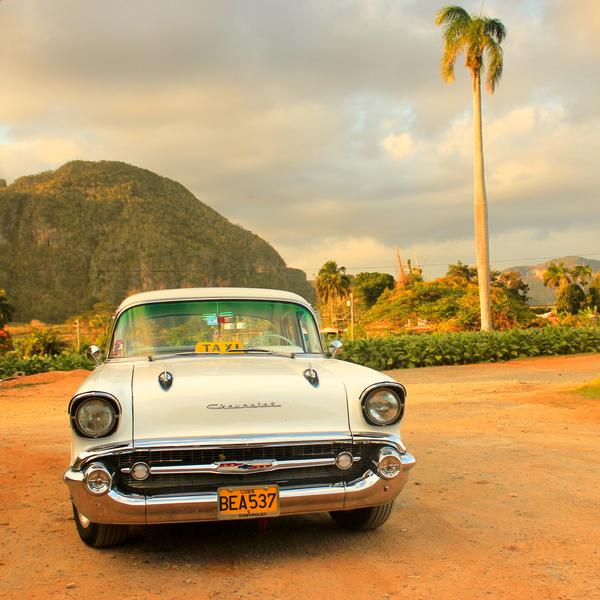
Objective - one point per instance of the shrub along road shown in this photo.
(502, 503)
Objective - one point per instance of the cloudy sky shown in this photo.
(321, 125)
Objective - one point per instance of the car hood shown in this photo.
(225, 396)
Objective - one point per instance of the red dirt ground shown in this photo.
(504, 503)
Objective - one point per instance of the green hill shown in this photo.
(533, 275)
(98, 231)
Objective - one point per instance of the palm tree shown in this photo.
(557, 275)
(479, 38)
(332, 284)
(6, 310)
(581, 274)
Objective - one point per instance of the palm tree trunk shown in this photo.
(480, 212)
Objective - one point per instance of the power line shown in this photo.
(445, 264)
(174, 271)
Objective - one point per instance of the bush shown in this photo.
(570, 299)
(424, 350)
(67, 361)
(5, 340)
(593, 299)
(448, 303)
(38, 342)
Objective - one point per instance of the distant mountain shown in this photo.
(533, 276)
(97, 231)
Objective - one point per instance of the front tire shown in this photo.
(99, 535)
(363, 519)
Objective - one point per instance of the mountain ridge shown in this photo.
(97, 231)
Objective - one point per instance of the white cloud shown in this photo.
(399, 146)
(333, 137)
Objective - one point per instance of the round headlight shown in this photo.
(95, 417)
(383, 406)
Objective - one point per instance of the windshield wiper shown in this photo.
(152, 357)
(263, 350)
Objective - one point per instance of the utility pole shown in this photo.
(77, 333)
(350, 303)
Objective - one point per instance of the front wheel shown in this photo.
(363, 519)
(99, 535)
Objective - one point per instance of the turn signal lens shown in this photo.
(140, 471)
(344, 460)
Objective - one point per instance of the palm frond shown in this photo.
(494, 64)
(448, 61)
(450, 14)
(495, 29)
(454, 40)
(453, 32)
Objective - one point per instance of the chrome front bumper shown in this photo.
(115, 507)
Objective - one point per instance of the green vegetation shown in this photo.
(6, 309)
(37, 350)
(38, 342)
(368, 287)
(332, 285)
(93, 232)
(12, 364)
(425, 350)
(590, 389)
(450, 303)
(572, 297)
(557, 275)
(480, 39)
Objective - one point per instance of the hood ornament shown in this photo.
(165, 379)
(311, 376)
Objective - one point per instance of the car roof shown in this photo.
(211, 293)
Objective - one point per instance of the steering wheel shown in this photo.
(258, 340)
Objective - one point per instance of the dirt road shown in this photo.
(503, 503)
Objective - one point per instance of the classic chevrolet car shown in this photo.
(219, 403)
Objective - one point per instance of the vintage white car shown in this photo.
(219, 403)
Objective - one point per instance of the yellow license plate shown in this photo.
(248, 502)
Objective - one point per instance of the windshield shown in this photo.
(214, 327)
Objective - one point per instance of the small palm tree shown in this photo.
(479, 38)
(332, 284)
(581, 274)
(6, 310)
(557, 275)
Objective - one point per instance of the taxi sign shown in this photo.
(218, 347)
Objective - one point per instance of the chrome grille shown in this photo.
(183, 483)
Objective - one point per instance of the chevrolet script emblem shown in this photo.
(165, 379)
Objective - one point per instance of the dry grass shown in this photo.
(591, 389)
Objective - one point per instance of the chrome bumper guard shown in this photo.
(117, 508)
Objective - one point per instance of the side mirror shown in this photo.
(334, 347)
(94, 353)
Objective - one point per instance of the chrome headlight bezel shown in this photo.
(398, 390)
(78, 401)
